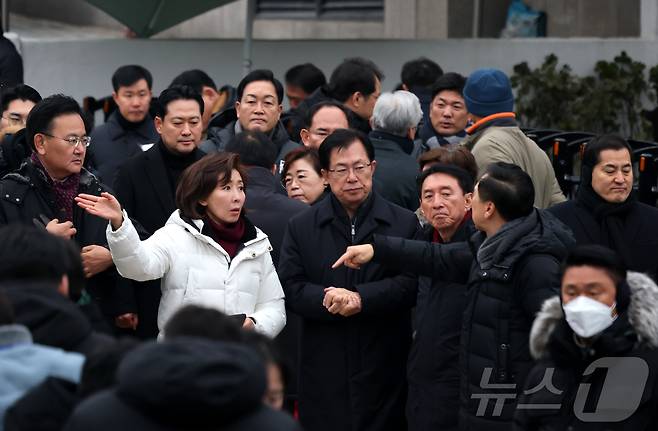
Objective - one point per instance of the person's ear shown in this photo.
(63, 286)
(157, 121)
(357, 99)
(304, 134)
(273, 169)
(203, 203)
(40, 143)
(210, 94)
(468, 201)
(404, 87)
(489, 210)
(325, 175)
(237, 108)
(373, 165)
(115, 97)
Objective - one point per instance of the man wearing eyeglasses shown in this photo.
(357, 330)
(43, 189)
(322, 119)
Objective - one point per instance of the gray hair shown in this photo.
(396, 112)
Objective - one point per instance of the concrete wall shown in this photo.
(83, 68)
(403, 19)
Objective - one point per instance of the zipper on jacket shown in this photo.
(353, 229)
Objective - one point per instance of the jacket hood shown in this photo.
(52, 318)
(642, 315)
(192, 382)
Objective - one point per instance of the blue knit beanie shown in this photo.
(488, 92)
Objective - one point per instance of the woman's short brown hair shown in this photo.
(200, 179)
(307, 153)
(456, 155)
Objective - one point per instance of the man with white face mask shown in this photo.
(602, 313)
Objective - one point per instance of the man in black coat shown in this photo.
(511, 267)
(146, 189)
(43, 191)
(433, 369)
(596, 350)
(394, 122)
(130, 128)
(356, 324)
(606, 210)
(258, 108)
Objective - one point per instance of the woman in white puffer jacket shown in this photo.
(208, 253)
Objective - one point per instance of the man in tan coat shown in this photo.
(496, 137)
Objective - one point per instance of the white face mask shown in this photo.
(588, 317)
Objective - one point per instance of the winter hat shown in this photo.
(488, 92)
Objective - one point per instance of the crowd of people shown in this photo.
(365, 260)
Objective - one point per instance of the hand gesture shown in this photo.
(341, 301)
(355, 256)
(105, 206)
(95, 259)
(127, 321)
(64, 230)
(248, 324)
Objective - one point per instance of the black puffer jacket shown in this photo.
(225, 126)
(433, 366)
(53, 320)
(502, 301)
(633, 336)
(184, 384)
(25, 195)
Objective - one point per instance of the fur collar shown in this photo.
(642, 315)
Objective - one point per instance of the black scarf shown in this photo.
(611, 217)
(175, 164)
(129, 125)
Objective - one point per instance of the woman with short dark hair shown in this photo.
(208, 253)
(302, 175)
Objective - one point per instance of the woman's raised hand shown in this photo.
(105, 206)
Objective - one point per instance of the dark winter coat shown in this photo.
(53, 320)
(45, 407)
(112, 145)
(225, 126)
(11, 63)
(14, 149)
(144, 191)
(640, 230)
(634, 334)
(352, 368)
(184, 384)
(270, 209)
(433, 368)
(25, 195)
(501, 302)
(396, 170)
